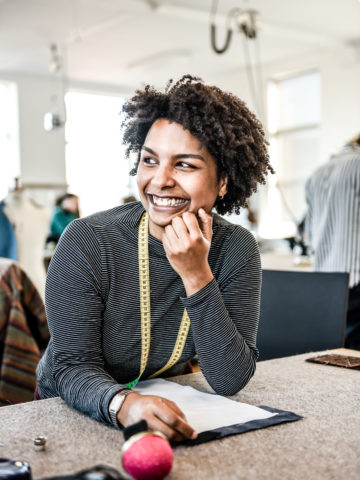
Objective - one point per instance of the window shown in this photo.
(9, 137)
(96, 168)
(294, 130)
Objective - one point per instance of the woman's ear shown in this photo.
(223, 185)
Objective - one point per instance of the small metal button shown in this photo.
(39, 443)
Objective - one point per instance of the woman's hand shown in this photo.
(187, 243)
(160, 414)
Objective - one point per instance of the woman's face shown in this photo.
(175, 175)
(70, 204)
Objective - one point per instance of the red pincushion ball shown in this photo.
(148, 458)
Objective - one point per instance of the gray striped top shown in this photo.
(92, 306)
(332, 224)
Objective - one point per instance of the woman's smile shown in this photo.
(167, 201)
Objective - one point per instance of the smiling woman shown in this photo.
(139, 290)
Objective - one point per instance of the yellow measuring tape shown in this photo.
(145, 310)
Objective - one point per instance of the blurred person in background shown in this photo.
(332, 225)
(66, 210)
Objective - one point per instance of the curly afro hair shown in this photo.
(220, 121)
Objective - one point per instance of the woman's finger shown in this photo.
(205, 223)
(171, 418)
(155, 423)
(180, 227)
(171, 235)
(191, 223)
(174, 407)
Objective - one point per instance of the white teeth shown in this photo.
(173, 202)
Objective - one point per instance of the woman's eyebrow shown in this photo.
(148, 149)
(178, 155)
(189, 155)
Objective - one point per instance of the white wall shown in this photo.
(341, 100)
(340, 75)
(42, 154)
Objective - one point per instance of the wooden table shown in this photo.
(323, 445)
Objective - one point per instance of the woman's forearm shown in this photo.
(224, 328)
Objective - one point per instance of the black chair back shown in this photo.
(301, 312)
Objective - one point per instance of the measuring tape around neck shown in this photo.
(145, 310)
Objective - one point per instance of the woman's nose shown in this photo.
(164, 176)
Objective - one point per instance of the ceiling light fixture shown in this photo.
(245, 20)
(53, 120)
(55, 63)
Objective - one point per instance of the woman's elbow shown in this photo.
(239, 381)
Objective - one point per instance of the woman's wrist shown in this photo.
(197, 281)
(122, 413)
(116, 404)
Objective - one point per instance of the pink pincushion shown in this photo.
(148, 458)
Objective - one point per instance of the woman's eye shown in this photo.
(186, 165)
(149, 160)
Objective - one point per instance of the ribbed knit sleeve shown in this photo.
(74, 307)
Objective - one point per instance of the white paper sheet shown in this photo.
(203, 411)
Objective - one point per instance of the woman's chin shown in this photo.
(157, 223)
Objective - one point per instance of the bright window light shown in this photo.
(9, 137)
(298, 101)
(96, 168)
(294, 107)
